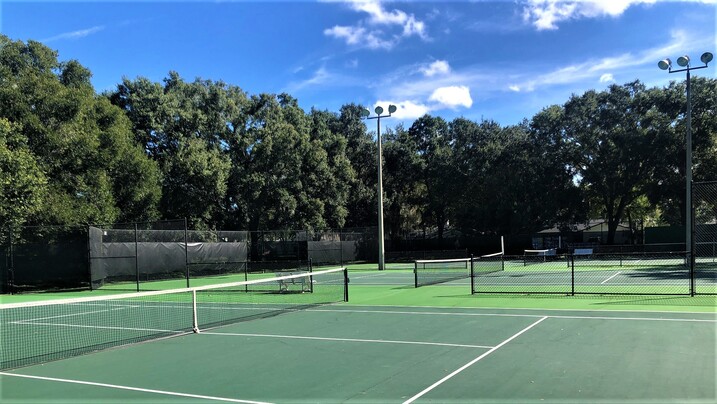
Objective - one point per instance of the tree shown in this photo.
(403, 188)
(81, 144)
(433, 145)
(187, 129)
(619, 153)
(362, 151)
(267, 186)
(22, 183)
(334, 188)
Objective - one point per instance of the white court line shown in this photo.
(348, 339)
(115, 386)
(608, 279)
(428, 313)
(467, 365)
(376, 276)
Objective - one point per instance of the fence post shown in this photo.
(186, 252)
(572, 274)
(11, 267)
(136, 256)
(89, 256)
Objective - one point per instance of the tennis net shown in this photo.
(431, 272)
(489, 263)
(538, 256)
(38, 332)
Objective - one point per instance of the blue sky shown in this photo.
(497, 60)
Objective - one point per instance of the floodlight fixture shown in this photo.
(365, 112)
(664, 64)
(706, 58)
(378, 110)
(391, 109)
(683, 61)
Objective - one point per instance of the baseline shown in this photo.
(130, 388)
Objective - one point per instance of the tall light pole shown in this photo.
(365, 113)
(666, 64)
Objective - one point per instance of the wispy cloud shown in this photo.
(320, 77)
(546, 14)
(74, 34)
(603, 68)
(382, 29)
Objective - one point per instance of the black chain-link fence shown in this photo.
(704, 198)
(585, 272)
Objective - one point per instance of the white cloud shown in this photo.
(74, 34)
(437, 67)
(514, 88)
(452, 97)
(365, 33)
(607, 78)
(545, 14)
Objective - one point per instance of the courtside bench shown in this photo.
(284, 284)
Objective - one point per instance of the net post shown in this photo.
(136, 256)
(195, 319)
(311, 278)
(346, 284)
(415, 274)
(473, 290)
(246, 275)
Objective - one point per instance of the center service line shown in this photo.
(464, 367)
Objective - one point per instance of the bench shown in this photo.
(303, 281)
(583, 251)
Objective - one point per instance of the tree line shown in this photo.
(224, 159)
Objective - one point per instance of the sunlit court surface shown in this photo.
(418, 345)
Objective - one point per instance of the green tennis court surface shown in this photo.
(396, 346)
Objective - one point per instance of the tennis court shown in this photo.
(348, 353)
(308, 346)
